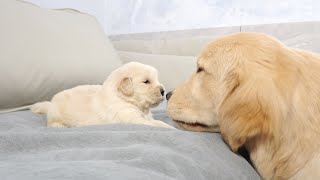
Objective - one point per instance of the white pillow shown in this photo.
(302, 35)
(181, 47)
(45, 51)
(173, 70)
(182, 43)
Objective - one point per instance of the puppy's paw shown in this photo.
(56, 125)
(162, 124)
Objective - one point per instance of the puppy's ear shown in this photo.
(126, 87)
(243, 115)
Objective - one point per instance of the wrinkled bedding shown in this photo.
(30, 150)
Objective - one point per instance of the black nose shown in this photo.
(169, 94)
(162, 91)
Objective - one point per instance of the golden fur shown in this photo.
(125, 97)
(259, 94)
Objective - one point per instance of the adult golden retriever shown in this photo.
(259, 94)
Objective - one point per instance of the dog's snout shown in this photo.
(162, 91)
(169, 94)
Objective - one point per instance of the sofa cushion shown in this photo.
(46, 51)
(302, 35)
(173, 70)
(182, 43)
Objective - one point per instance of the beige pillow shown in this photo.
(173, 70)
(45, 51)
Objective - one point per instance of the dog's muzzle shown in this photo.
(168, 95)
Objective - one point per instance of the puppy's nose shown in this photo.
(169, 94)
(162, 91)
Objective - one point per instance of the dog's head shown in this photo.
(138, 84)
(240, 88)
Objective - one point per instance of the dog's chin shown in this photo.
(187, 124)
(198, 127)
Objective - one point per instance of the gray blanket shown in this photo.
(30, 150)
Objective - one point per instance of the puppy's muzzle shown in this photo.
(162, 91)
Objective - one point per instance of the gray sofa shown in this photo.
(47, 51)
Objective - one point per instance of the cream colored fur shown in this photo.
(125, 97)
(259, 94)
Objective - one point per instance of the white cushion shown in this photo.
(182, 43)
(173, 70)
(303, 35)
(45, 51)
(180, 47)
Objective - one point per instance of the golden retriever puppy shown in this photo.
(260, 95)
(125, 97)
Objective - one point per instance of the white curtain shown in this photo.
(133, 16)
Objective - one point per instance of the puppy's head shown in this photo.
(138, 84)
(240, 88)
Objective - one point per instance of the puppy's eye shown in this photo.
(199, 69)
(146, 81)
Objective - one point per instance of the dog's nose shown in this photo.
(162, 91)
(169, 94)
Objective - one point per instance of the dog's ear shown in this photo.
(126, 87)
(243, 115)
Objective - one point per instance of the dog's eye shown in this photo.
(146, 81)
(199, 69)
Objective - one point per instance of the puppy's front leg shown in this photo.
(158, 122)
(138, 118)
(161, 124)
(152, 122)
